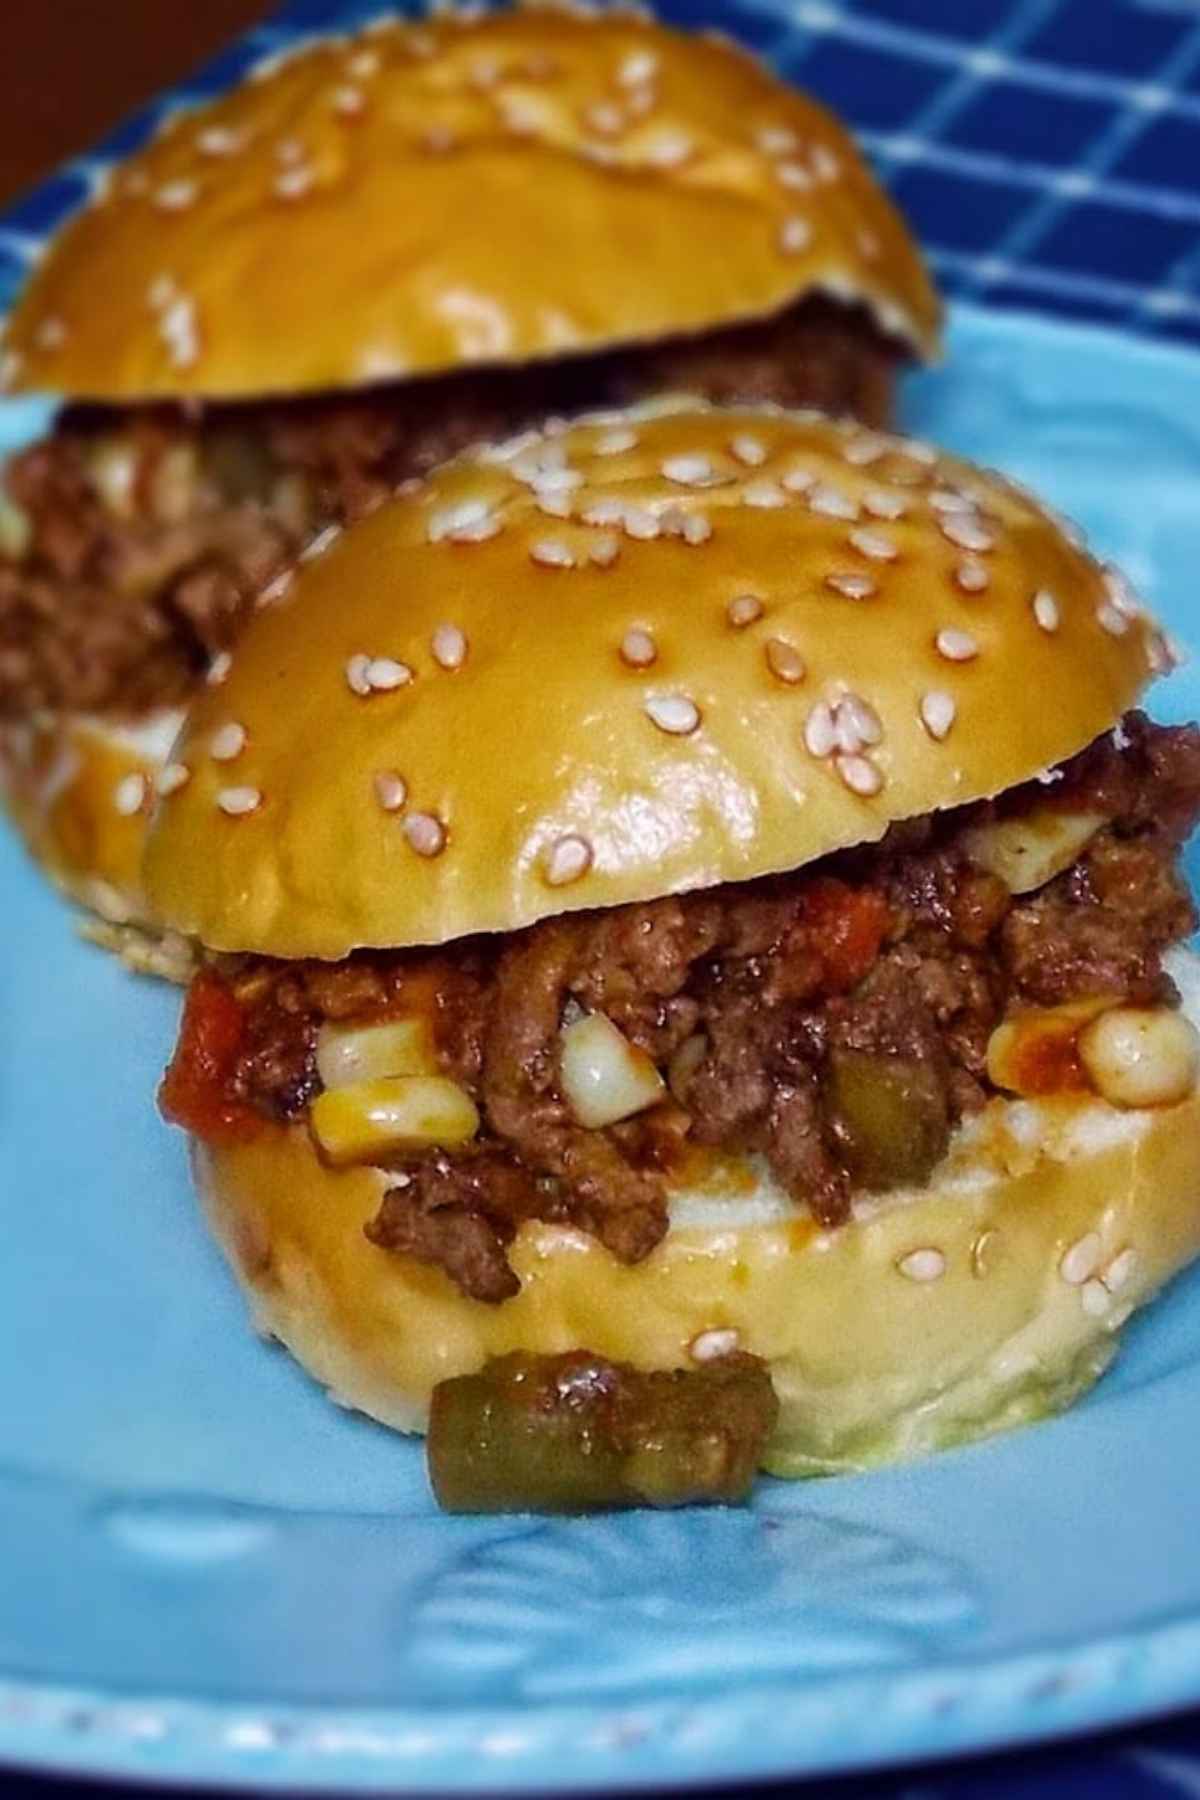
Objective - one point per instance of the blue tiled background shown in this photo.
(1048, 154)
(1047, 151)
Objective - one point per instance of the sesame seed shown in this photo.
(384, 674)
(1120, 593)
(1080, 1262)
(613, 443)
(1095, 1299)
(820, 732)
(638, 648)
(605, 118)
(938, 712)
(391, 789)
(227, 742)
(1121, 1270)
(604, 550)
(763, 494)
(567, 859)
(438, 140)
(874, 544)
(793, 175)
(466, 516)
(690, 471)
(948, 500)
(554, 506)
(318, 545)
(51, 334)
(276, 590)
(425, 833)
(923, 1265)
(784, 661)
(748, 450)
(850, 585)
(639, 522)
(831, 503)
(1111, 620)
(176, 196)
(236, 802)
(607, 510)
(556, 480)
(711, 1346)
(449, 647)
(295, 183)
(859, 774)
(638, 68)
(857, 723)
(220, 140)
(357, 674)
(218, 668)
(673, 713)
(798, 481)
(696, 529)
(348, 102)
(670, 151)
(552, 553)
(825, 165)
(161, 292)
(795, 235)
(289, 151)
(776, 140)
(971, 576)
(884, 505)
(178, 329)
(866, 448)
(129, 795)
(171, 777)
(955, 645)
(966, 531)
(1045, 610)
(743, 610)
(919, 452)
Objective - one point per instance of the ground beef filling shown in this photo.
(150, 535)
(837, 1018)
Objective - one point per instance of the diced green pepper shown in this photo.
(888, 1114)
(576, 1433)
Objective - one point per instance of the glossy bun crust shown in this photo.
(931, 1319)
(457, 191)
(757, 638)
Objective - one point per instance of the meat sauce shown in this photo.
(839, 1018)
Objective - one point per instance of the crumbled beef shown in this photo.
(836, 1019)
(153, 532)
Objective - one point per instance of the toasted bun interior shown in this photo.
(935, 1316)
(460, 191)
(475, 712)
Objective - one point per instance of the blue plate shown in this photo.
(208, 1572)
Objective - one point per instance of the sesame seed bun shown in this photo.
(80, 790)
(460, 191)
(757, 639)
(992, 1296)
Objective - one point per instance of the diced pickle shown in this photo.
(577, 1433)
(888, 1115)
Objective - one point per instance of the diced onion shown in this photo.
(368, 1121)
(350, 1053)
(173, 486)
(604, 1077)
(1141, 1056)
(683, 1065)
(1028, 852)
(113, 466)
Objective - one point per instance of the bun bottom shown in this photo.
(992, 1297)
(60, 778)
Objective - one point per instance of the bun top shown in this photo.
(462, 190)
(651, 652)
